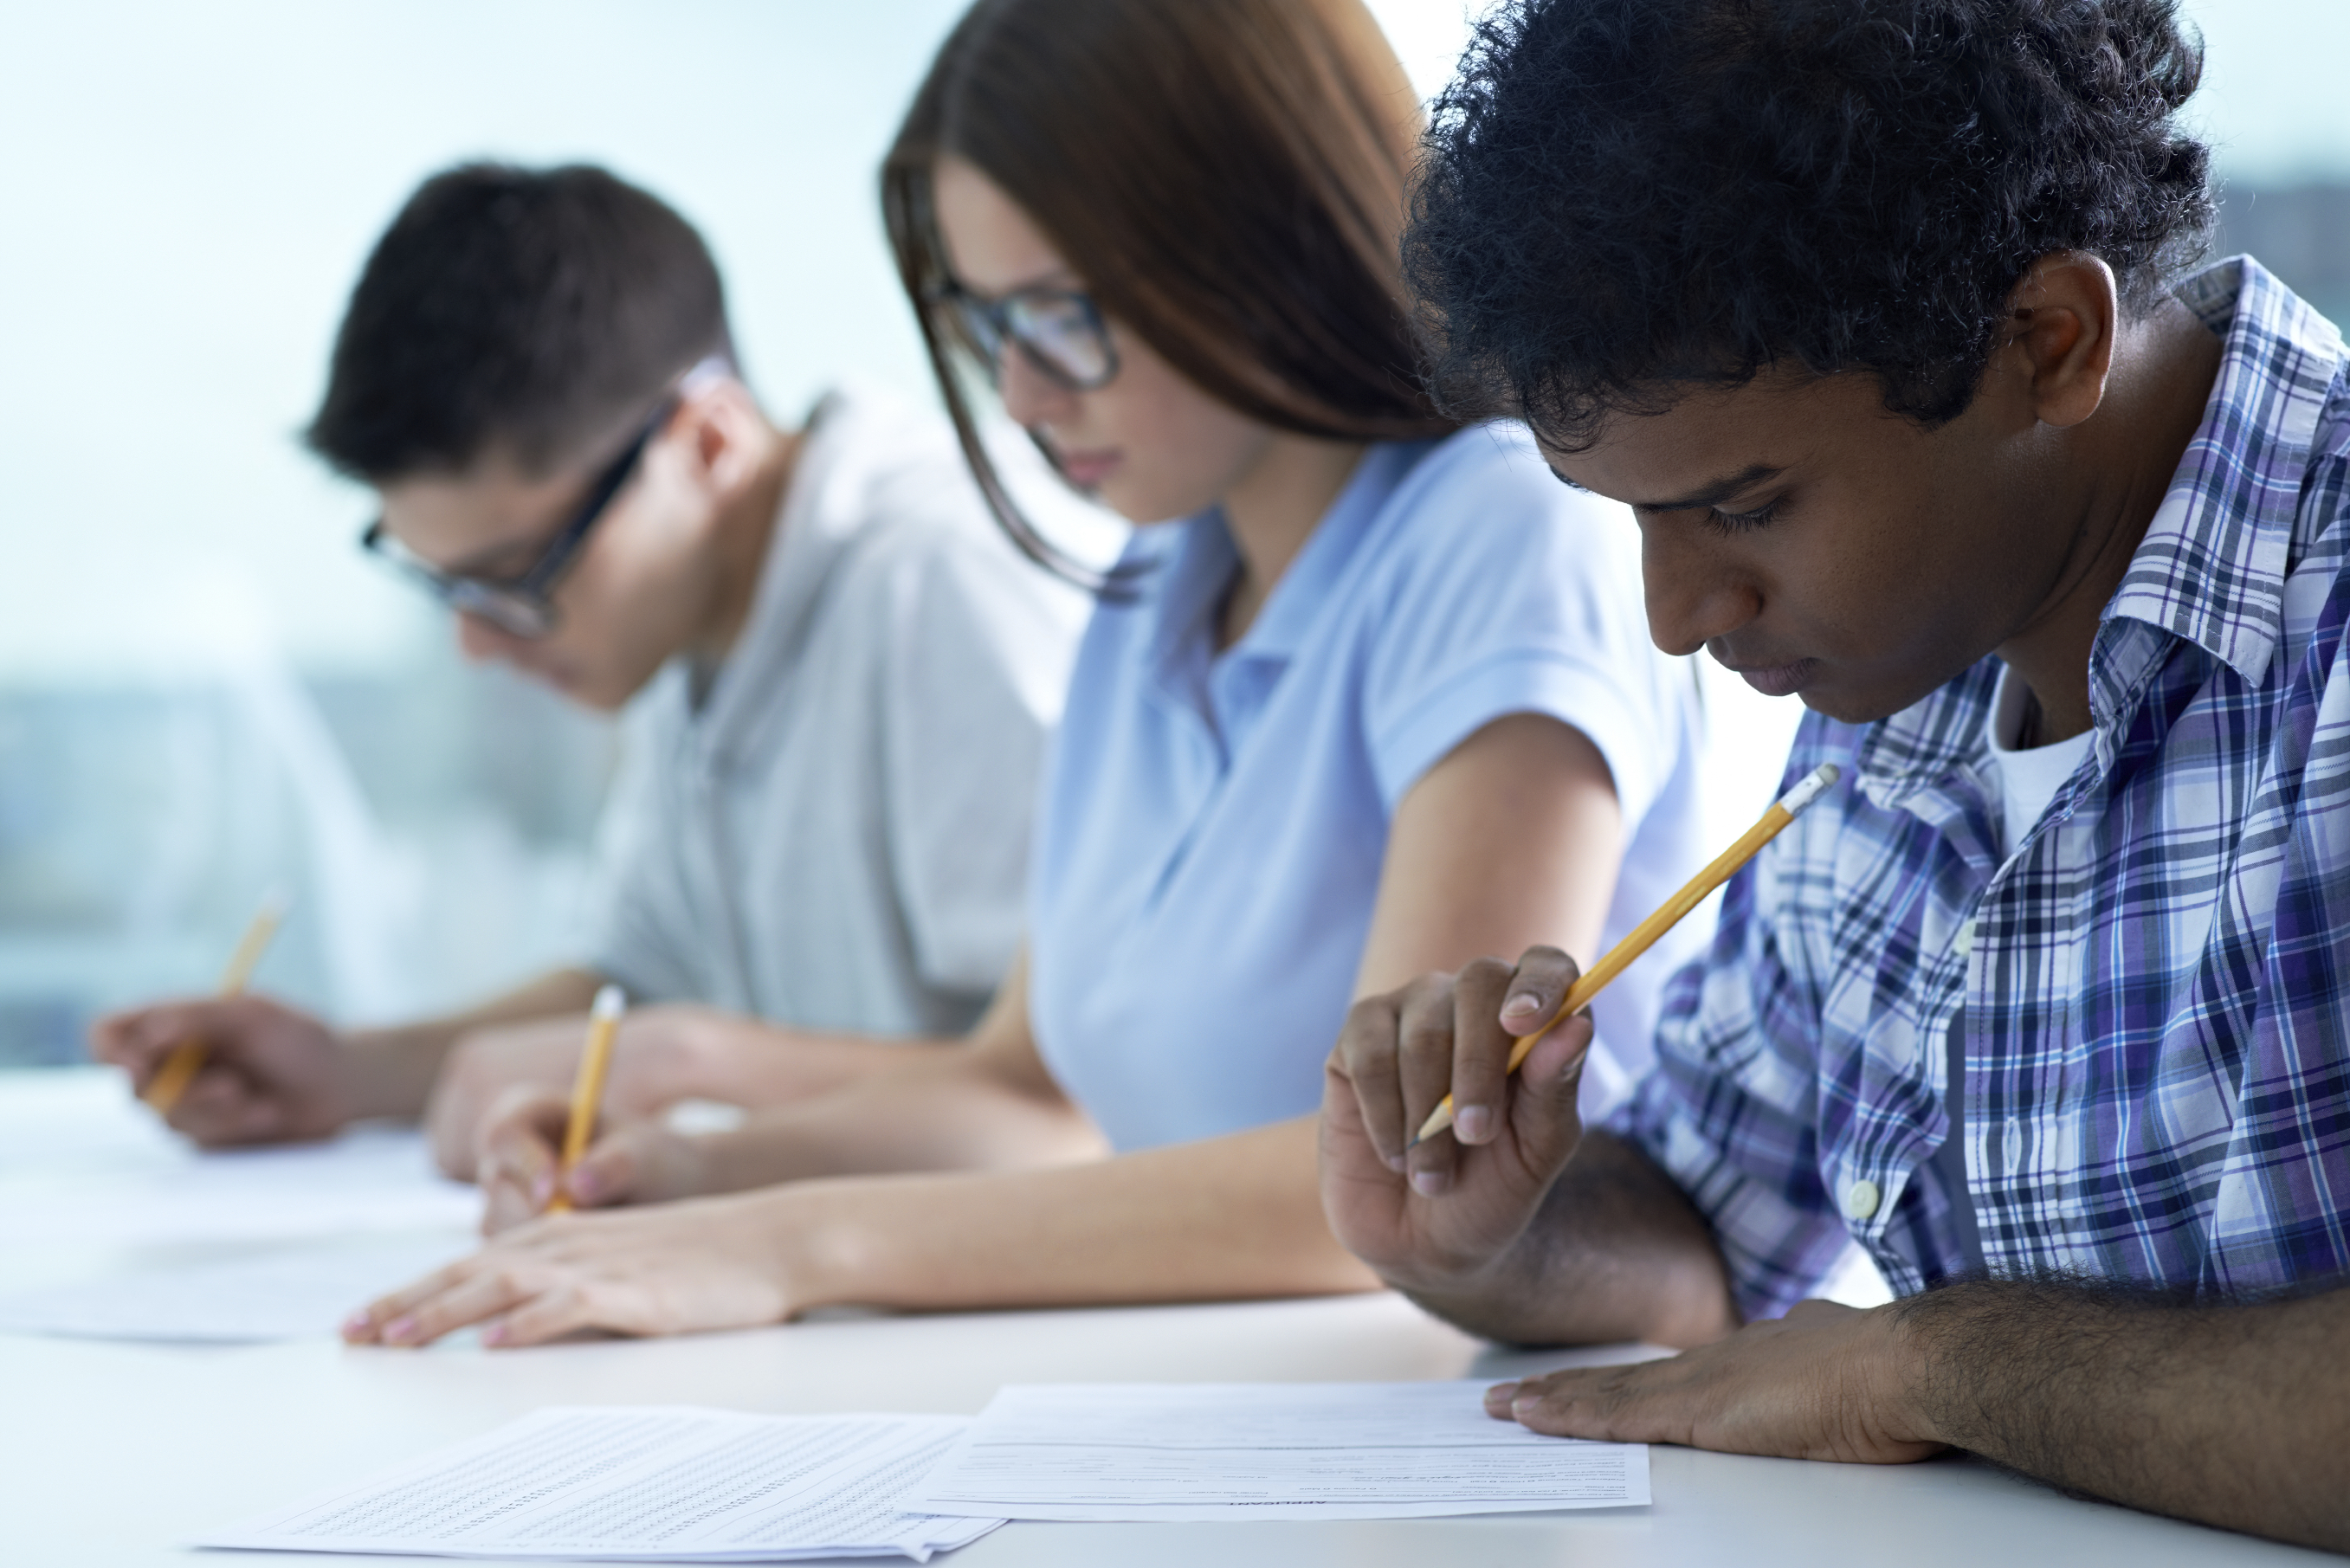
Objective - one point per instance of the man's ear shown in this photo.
(2062, 317)
(722, 426)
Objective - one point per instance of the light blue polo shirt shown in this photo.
(1215, 824)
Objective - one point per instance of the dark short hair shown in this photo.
(522, 309)
(1624, 200)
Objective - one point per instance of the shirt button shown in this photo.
(1964, 942)
(1860, 1200)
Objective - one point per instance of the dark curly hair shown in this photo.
(1626, 199)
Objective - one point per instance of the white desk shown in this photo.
(111, 1454)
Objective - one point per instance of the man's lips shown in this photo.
(1776, 679)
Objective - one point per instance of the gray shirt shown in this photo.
(836, 836)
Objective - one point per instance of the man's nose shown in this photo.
(481, 642)
(1692, 596)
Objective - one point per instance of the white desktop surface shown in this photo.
(112, 1455)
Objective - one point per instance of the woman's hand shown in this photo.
(519, 1161)
(652, 1061)
(736, 1262)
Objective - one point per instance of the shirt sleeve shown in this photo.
(977, 670)
(633, 882)
(1731, 1109)
(1518, 596)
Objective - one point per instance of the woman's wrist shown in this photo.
(823, 1250)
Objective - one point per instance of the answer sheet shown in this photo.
(645, 1484)
(1268, 1451)
(295, 1295)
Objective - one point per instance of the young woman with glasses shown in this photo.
(1370, 695)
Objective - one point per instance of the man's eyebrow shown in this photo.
(1721, 489)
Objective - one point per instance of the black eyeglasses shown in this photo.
(524, 605)
(1059, 329)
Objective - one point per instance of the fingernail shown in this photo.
(400, 1330)
(494, 1334)
(1502, 1394)
(582, 1186)
(542, 1187)
(1395, 1163)
(1519, 1005)
(1472, 1123)
(357, 1322)
(1429, 1183)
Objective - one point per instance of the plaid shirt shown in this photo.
(2156, 983)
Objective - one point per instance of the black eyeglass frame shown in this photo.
(525, 605)
(996, 314)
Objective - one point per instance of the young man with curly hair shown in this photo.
(1872, 311)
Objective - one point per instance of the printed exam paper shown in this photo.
(1268, 1451)
(647, 1484)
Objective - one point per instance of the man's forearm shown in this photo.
(2237, 1416)
(1615, 1253)
(391, 1071)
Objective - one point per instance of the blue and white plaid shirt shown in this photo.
(2155, 983)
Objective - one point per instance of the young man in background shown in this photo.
(841, 674)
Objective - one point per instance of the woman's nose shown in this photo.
(1031, 398)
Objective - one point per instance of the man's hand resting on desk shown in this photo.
(519, 1161)
(271, 1074)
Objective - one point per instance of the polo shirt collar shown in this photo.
(1199, 574)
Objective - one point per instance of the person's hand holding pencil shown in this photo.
(1394, 1145)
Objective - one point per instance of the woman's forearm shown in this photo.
(1226, 1218)
(931, 1109)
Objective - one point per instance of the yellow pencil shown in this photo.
(187, 1058)
(1643, 936)
(588, 1087)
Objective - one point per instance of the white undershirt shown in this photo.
(2026, 780)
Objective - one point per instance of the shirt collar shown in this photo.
(1198, 573)
(2211, 568)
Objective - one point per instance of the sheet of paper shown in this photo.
(295, 1295)
(373, 1179)
(645, 1483)
(1257, 1450)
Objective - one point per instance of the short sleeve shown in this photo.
(1517, 594)
(977, 670)
(1729, 1109)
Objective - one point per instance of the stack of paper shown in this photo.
(285, 1295)
(1293, 1451)
(648, 1483)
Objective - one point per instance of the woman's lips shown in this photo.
(1779, 680)
(1086, 470)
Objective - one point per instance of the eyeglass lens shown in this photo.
(1060, 329)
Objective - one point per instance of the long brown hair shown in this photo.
(1227, 176)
